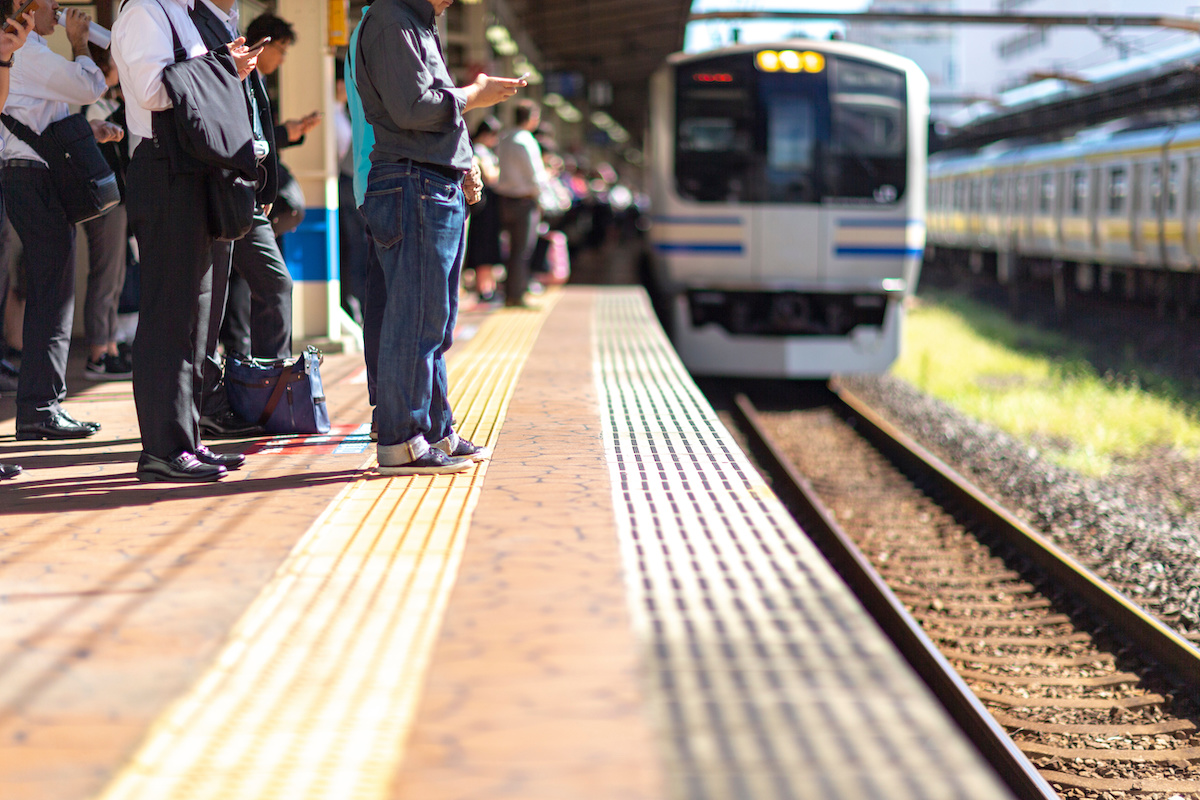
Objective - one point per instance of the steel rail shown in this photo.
(1179, 658)
(889, 612)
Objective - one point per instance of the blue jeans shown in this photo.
(418, 222)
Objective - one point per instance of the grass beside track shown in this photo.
(1039, 386)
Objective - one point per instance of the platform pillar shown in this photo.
(306, 83)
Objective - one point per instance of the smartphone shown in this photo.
(28, 5)
(260, 44)
(524, 77)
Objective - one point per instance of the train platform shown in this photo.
(615, 606)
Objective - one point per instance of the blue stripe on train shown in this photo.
(868, 222)
(892, 252)
(709, 248)
(699, 220)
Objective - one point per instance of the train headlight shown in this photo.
(789, 61)
(768, 61)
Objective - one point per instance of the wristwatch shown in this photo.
(9, 63)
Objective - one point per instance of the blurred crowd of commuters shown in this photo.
(539, 209)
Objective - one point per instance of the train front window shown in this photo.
(869, 132)
(832, 128)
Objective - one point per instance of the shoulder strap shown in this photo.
(180, 53)
(21, 130)
(26, 135)
(285, 377)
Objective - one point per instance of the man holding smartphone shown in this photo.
(167, 210)
(416, 209)
(256, 260)
(257, 322)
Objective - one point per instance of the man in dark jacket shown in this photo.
(256, 257)
(244, 312)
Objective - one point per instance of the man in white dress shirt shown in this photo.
(43, 83)
(167, 202)
(520, 182)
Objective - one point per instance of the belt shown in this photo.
(450, 173)
(27, 163)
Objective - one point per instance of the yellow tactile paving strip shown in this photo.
(534, 689)
(312, 694)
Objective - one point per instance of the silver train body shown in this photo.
(1127, 203)
(788, 187)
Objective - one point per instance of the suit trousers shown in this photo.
(108, 241)
(167, 213)
(213, 400)
(259, 267)
(49, 245)
(519, 216)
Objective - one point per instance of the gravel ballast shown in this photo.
(1138, 528)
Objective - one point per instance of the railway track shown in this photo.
(1069, 688)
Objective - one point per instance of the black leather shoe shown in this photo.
(183, 468)
(226, 460)
(9, 471)
(228, 425)
(58, 426)
(95, 426)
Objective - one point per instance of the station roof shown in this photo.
(619, 41)
(1167, 78)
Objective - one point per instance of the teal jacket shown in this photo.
(363, 136)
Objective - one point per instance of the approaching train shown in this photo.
(1101, 205)
(788, 187)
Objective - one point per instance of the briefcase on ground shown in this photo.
(283, 395)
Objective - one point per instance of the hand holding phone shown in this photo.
(27, 6)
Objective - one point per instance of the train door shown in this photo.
(1191, 226)
(1116, 233)
(1140, 217)
(1174, 249)
(1024, 215)
(1094, 209)
(1045, 216)
(1152, 224)
(1074, 224)
(994, 208)
(1060, 204)
(786, 223)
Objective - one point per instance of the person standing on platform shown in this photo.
(244, 311)
(416, 208)
(107, 245)
(519, 185)
(12, 39)
(43, 83)
(256, 258)
(362, 138)
(167, 210)
(483, 234)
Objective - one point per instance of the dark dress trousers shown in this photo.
(167, 210)
(49, 242)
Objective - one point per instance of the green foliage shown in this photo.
(1039, 386)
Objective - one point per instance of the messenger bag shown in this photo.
(82, 178)
(212, 125)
